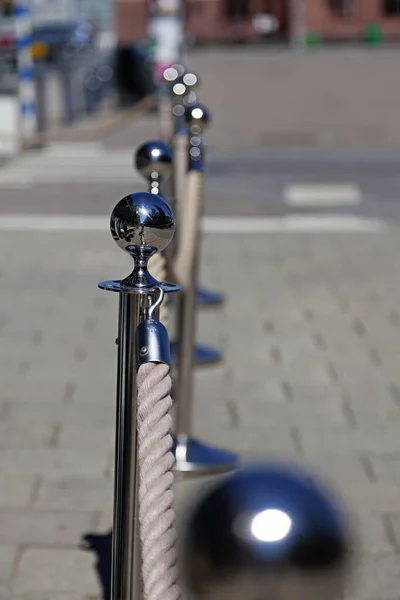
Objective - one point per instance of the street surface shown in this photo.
(305, 245)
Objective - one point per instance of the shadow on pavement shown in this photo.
(100, 545)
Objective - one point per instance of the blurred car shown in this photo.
(57, 41)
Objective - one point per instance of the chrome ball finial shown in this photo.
(172, 73)
(266, 533)
(142, 223)
(189, 79)
(197, 115)
(153, 160)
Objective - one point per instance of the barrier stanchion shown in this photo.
(141, 224)
(166, 122)
(183, 93)
(268, 532)
(153, 161)
(192, 455)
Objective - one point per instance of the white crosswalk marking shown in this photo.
(65, 163)
(322, 195)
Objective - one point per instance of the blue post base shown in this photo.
(208, 297)
(203, 355)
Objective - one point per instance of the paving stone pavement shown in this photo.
(310, 334)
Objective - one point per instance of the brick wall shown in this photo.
(131, 20)
(321, 19)
(206, 19)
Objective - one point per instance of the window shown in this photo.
(391, 8)
(342, 8)
(236, 9)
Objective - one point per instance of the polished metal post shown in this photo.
(153, 160)
(165, 102)
(141, 224)
(190, 454)
(183, 91)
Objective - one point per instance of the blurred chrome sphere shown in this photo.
(197, 114)
(153, 159)
(189, 79)
(142, 220)
(266, 533)
(172, 73)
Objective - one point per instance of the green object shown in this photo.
(373, 34)
(151, 46)
(312, 39)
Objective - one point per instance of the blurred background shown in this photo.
(300, 233)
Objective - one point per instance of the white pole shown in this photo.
(26, 76)
(166, 34)
(297, 19)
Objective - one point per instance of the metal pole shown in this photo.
(189, 81)
(180, 168)
(141, 224)
(153, 160)
(26, 74)
(190, 454)
(125, 576)
(187, 326)
(297, 19)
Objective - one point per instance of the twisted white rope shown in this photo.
(158, 269)
(180, 169)
(166, 119)
(156, 515)
(189, 227)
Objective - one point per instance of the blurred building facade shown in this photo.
(224, 20)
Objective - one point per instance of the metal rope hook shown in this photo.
(141, 224)
(152, 344)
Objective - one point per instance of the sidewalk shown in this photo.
(310, 335)
(316, 381)
(263, 97)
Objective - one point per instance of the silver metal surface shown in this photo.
(126, 561)
(267, 532)
(151, 338)
(195, 457)
(141, 224)
(190, 79)
(171, 74)
(190, 455)
(198, 116)
(153, 161)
